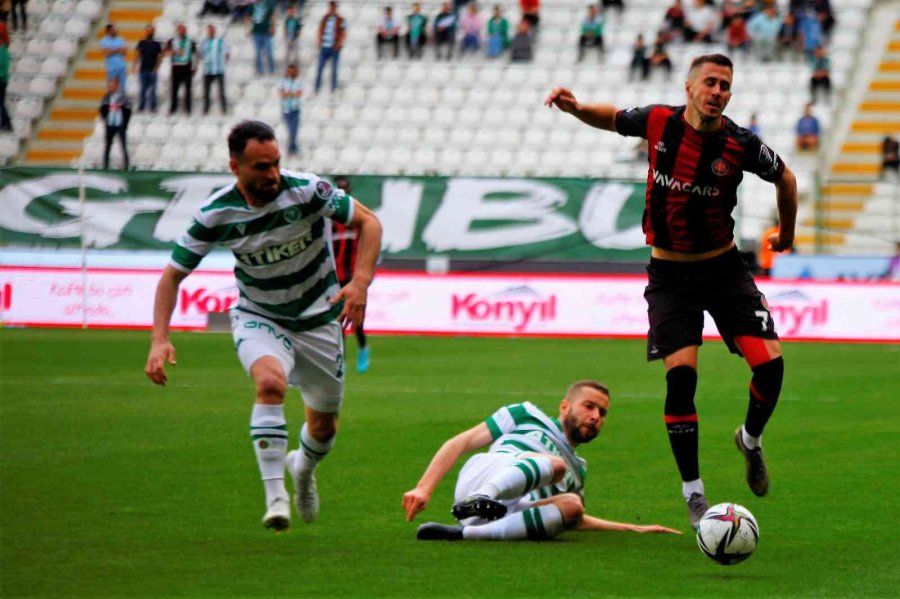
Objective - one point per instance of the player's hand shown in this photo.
(160, 353)
(778, 244)
(563, 99)
(414, 502)
(656, 528)
(354, 295)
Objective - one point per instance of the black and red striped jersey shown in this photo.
(343, 243)
(693, 176)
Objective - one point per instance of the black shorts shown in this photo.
(679, 292)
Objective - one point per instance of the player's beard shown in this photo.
(264, 193)
(576, 433)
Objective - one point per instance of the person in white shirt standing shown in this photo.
(291, 92)
(214, 53)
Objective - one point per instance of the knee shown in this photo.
(270, 386)
(559, 468)
(322, 429)
(571, 508)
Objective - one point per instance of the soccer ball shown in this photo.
(728, 533)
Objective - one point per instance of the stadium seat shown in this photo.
(54, 67)
(29, 108)
(9, 147)
(76, 27)
(42, 87)
(27, 66)
(63, 8)
(89, 9)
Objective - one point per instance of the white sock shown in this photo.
(518, 479)
(537, 523)
(750, 442)
(311, 451)
(268, 430)
(690, 487)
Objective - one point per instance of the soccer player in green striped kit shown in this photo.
(530, 483)
(287, 322)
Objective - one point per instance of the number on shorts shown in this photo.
(764, 317)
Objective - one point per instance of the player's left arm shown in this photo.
(356, 291)
(786, 194)
(597, 524)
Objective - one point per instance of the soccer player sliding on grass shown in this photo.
(697, 159)
(530, 483)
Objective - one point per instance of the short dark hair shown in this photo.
(243, 132)
(341, 180)
(719, 59)
(577, 386)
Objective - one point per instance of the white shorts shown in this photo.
(476, 471)
(312, 360)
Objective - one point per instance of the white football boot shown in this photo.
(306, 495)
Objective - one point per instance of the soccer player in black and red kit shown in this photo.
(344, 240)
(697, 158)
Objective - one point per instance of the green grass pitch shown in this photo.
(111, 487)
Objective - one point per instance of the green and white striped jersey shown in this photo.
(523, 427)
(284, 266)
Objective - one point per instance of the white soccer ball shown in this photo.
(728, 533)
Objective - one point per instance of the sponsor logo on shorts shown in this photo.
(265, 326)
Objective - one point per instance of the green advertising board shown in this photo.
(456, 217)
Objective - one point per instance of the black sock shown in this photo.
(765, 387)
(681, 420)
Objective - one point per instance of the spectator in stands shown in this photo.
(332, 31)
(810, 30)
(521, 48)
(116, 112)
(591, 31)
(216, 7)
(388, 32)
(763, 28)
(20, 11)
(215, 54)
(416, 26)
(639, 61)
(445, 31)
(736, 36)
(673, 21)
(890, 157)
(262, 28)
(700, 22)
(113, 48)
(146, 63)
(821, 74)
(789, 38)
(471, 25)
(659, 58)
(531, 12)
(293, 24)
(753, 126)
(808, 131)
(497, 33)
(617, 4)
(241, 9)
(182, 50)
(291, 91)
(5, 122)
(893, 270)
(5, 8)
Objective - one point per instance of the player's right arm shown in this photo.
(161, 349)
(602, 116)
(416, 500)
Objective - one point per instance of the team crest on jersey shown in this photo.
(263, 444)
(324, 190)
(720, 167)
(292, 215)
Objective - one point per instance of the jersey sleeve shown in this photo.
(336, 204)
(632, 122)
(762, 160)
(192, 247)
(503, 421)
